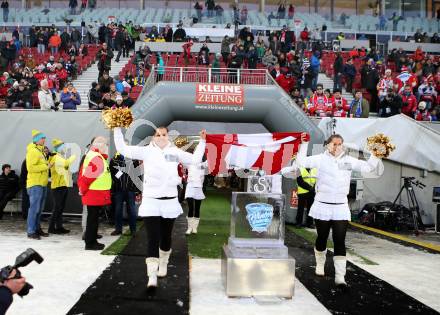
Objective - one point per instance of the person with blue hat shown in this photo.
(36, 183)
(61, 180)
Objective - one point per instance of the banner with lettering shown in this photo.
(219, 94)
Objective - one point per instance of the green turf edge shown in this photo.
(118, 246)
(310, 237)
(213, 230)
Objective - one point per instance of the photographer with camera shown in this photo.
(11, 280)
(8, 288)
(391, 105)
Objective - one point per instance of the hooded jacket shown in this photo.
(60, 175)
(37, 166)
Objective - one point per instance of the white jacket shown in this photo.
(160, 165)
(196, 174)
(334, 173)
(45, 99)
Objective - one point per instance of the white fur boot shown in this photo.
(163, 262)
(320, 262)
(340, 267)
(190, 221)
(195, 225)
(152, 268)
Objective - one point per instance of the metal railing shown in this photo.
(211, 75)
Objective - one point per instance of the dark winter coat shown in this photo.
(9, 183)
(124, 182)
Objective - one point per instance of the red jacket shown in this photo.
(286, 83)
(319, 106)
(187, 49)
(419, 55)
(40, 76)
(304, 35)
(61, 73)
(4, 90)
(93, 197)
(340, 107)
(409, 104)
(354, 53)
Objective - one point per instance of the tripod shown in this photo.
(413, 204)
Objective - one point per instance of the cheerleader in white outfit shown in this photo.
(330, 207)
(160, 206)
(194, 195)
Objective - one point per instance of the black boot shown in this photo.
(62, 230)
(95, 246)
(42, 233)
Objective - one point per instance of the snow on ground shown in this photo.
(413, 271)
(66, 272)
(208, 296)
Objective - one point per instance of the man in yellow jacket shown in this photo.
(306, 194)
(61, 180)
(36, 183)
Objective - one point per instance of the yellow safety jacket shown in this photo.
(59, 172)
(104, 180)
(308, 177)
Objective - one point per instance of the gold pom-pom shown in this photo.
(181, 141)
(380, 145)
(117, 117)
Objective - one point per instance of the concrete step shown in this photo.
(83, 82)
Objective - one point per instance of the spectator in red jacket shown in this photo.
(4, 87)
(319, 104)
(62, 75)
(354, 53)
(304, 35)
(285, 81)
(340, 106)
(409, 101)
(40, 75)
(94, 183)
(187, 52)
(419, 55)
(422, 113)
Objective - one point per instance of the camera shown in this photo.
(22, 260)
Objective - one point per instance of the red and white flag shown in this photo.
(268, 151)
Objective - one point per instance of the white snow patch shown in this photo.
(66, 272)
(208, 296)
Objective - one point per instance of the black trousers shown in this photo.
(339, 230)
(305, 202)
(225, 57)
(122, 51)
(159, 232)
(5, 197)
(349, 81)
(59, 204)
(92, 224)
(25, 203)
(193, 207)
(374, 104)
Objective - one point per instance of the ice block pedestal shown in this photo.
(255, 262)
